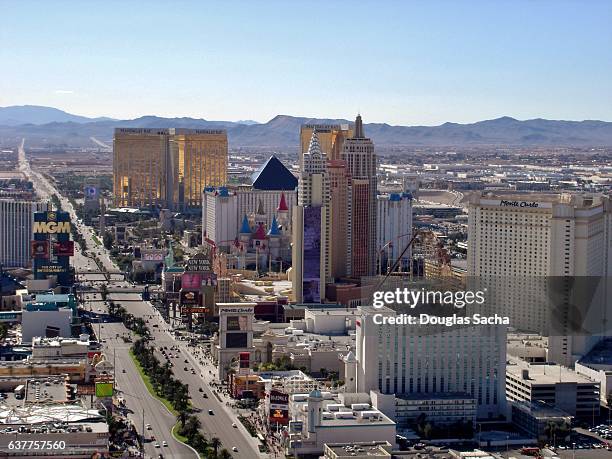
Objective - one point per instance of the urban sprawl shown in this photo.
(166, 295)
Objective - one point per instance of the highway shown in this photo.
(220, 424)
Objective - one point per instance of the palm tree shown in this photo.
(192, 426)
(215, 443)
(182, 417)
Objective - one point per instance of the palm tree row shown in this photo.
(166, 386)
(161, 377)
(208, 448)
(131, 322)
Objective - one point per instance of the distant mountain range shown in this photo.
(46, 126)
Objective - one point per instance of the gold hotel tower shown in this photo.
(167, 168)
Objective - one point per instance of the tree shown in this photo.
(107, 240)
(215, 443)
(224, 454)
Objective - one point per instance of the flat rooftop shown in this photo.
(544, 373)
(372, 449)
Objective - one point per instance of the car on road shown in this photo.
(234, 449)
(164, 443)
(205, 395)
(184, 368)
(211, 412)
(148, 426)
(157, 445)
(234, 425)
(200, 389)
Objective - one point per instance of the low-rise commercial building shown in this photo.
(555, 385)
(319, 418)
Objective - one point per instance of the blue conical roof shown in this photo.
(274, 231)
(245, 228)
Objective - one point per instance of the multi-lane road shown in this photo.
(222, 424)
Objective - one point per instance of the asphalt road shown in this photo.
(220, 423)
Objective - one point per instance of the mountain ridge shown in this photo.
(283, 130)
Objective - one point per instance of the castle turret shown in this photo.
(315, 408)
(350, 373)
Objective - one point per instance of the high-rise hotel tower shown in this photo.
(311, 230)
(540, 254)
(167, 167)
(358, 154)
(16, 230)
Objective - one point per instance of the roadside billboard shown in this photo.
(104, 389)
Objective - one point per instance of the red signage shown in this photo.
(63, 249)
(245, 358)
(40, 249)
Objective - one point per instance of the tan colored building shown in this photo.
(331, 138)
(167, 167)
(198, 160)
(139, 166)
(339, 195)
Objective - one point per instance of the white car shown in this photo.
(234, 425)
(148, 426)
(234, 449)
(164, 443)
(157, 445)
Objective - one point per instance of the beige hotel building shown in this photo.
(541, 252)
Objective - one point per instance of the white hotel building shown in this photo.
(432, 362)
(16, 222)
(393, 229)
(518, 241)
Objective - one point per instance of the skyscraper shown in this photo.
(167, 167)
(358, 153)
(518, 243)
(16, 229)
(140, 162)
(198, 158)
(339, 208)
(462, 362)
(331, 139)
(310, 227)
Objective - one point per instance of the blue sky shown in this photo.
(401, 62)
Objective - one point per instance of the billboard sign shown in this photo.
(311, 284)
(245, 358)
(191, 281)
(195, 310)
(90, 192)
(189, 297)
(279, 407)
(199, 263)
(237, 323)
(152, 255)
(104, 389)
(236, 340)
(52, 269)
(63, 248)
(40, 249)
